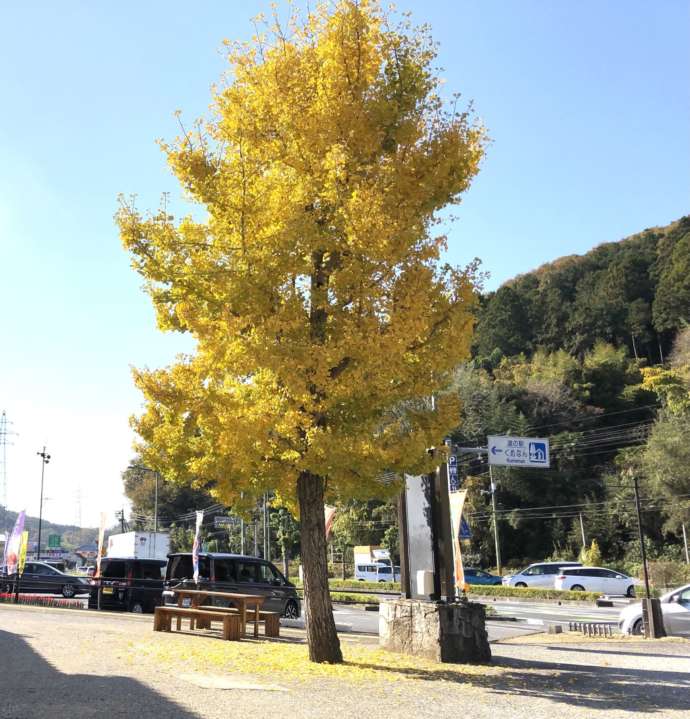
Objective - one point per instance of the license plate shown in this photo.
(107, 590)
(186, 602)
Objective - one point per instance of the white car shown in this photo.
(595, 579)
(541, 574)
(675, 609)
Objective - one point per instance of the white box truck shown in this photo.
(139, 545)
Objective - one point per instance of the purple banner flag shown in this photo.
(14, 545)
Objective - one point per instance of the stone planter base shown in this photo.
(442, 632)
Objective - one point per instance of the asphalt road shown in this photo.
(530, 616)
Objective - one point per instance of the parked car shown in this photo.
(595, 579)
(378, 572)
(234, 573)
(540, 574)
(132, 585)
(675, 610)
(479, 576)
(41, 578)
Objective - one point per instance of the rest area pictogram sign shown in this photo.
(518, 451)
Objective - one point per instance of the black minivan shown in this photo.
(132, 585)
(234, 573)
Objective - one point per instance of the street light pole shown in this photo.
(45, 458)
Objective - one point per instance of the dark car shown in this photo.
(234, 573)
(132, 585)
(41, 578)
(479, 576)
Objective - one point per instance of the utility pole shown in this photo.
(242, 537)
(264, 527)
(643, 552)
(155, 506)
(267, 530)
(582, 531)
(685, 544)
(5, 432)
(493, 508)
(45, 458)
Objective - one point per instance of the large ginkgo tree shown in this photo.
(323, 317)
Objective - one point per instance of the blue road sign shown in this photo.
(509, 451)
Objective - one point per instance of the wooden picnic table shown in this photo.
(243, 602)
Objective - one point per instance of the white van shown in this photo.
(378, 572)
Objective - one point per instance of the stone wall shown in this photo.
(442, 632)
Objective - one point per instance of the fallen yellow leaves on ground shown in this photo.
(289, 660)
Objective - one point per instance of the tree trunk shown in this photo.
(286, 564)
(324, 645)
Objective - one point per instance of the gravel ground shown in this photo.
(78, 664)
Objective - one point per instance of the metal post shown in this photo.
(256, 538)
(582, 531)
(642, 547)
(45, 458)
(242, 536)
(493, 508)
(685, 543)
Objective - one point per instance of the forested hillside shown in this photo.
(634, 293)
(571, 351)
(593, 352)
(71, 535)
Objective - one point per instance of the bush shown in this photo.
(591, 557)
(533, 593)
(356, 584)
(668, 574)
(40, 600)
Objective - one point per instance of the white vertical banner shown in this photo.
(457, 500)
(101, 542)
(197, 544)
(329, 515)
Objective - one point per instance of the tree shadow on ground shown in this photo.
(601, 688)
(39, 690)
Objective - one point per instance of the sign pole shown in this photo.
(493, 508)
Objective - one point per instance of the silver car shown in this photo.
(675, 609)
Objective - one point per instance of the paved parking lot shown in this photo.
(86, 664)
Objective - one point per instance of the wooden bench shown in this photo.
(271, 620)
(163, 616)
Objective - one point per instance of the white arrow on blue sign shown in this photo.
(518, 451)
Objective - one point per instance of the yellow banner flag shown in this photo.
(22, 553)
(101, 543)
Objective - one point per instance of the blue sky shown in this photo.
(586, 102)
